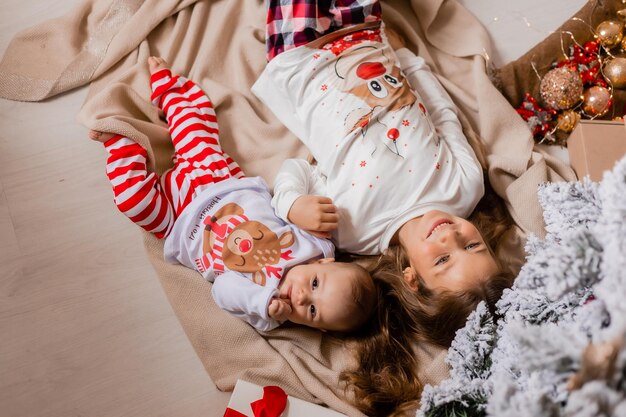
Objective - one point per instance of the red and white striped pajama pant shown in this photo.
(153, 203)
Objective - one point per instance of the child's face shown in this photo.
(318, 293)
(446, 251)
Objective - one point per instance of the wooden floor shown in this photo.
(86, 329)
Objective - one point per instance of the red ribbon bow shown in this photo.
(272, 404)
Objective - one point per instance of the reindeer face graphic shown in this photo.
(244, 245)
(382, 88)
(252, 245)
(366, 72)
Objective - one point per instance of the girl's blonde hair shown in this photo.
(385, 381)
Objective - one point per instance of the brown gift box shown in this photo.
(595, 145)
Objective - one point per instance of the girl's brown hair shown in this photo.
(385, 377)
(385, 381)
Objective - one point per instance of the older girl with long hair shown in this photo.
(395, 174)
(413, 309)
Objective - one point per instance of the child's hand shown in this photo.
(396, 41)
(315, 214)
(279, 309)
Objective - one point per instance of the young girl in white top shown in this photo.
(394, 175)
(393, 165)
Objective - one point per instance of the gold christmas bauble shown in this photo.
(609, 33)
(561, 88)
(596, 101)
(615, 72)
(621, 15)
(567, 121)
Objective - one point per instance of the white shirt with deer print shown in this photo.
(231, 235)
(388, 142)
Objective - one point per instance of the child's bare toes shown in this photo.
(99, 136)
(156, 63)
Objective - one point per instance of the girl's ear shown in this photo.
(410, 277)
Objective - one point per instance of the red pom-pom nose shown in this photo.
(369, 70)
(245, 245)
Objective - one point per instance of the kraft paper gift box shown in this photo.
(595, 145)
(246, 393)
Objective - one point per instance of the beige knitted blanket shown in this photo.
(219, 44)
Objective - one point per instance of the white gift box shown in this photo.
(246, 393)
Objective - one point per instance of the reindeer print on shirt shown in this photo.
(364, 68)
(231, 240)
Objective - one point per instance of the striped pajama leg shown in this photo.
(199, 158)
(198, 161)
(137, 193)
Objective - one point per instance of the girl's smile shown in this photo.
(437, 226)
(446, 252)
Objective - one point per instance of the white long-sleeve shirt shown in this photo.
(385, 152)
(231, 235)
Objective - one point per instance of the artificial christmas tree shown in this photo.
(558, 348)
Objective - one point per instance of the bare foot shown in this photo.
(99, 136)
(156, 63)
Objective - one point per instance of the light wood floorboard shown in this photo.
(86, 328)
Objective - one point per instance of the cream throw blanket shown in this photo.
(220, 45)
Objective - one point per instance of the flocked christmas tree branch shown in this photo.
(560, 347)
